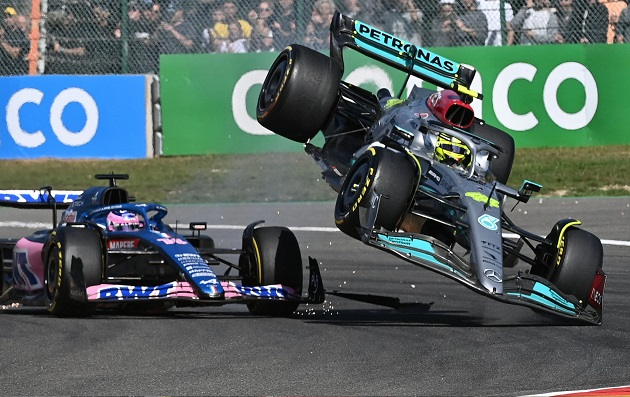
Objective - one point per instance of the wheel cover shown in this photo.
(355, 188)
(273, 83)
(52, 279)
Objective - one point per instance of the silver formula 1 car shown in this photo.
(422, 177)
(110, 252)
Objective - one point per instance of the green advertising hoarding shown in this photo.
(555, 95)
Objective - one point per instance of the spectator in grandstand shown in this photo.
(266, 14)
(284, 24)
(14, 45)
(564, 9)
(588, 23)
(178, 35)
(431, 10)
(67, 47)
(104, 41)
(470, 24)
(441, 32)
(354, 9)
(143, 51)
(262, 39)
(230, 10)
(217, 32)
(402, 19)
(492, 9)
(622, 28)
(536, 23)
(615, 7)
(321, 16)
(236, 43)
(310, 40)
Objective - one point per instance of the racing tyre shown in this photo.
(299, 94)
(278, 261)
(74, 262)
(502, 165)
(377, 171)
(580, 255)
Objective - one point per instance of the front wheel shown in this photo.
(381, 172)
(299, 94)
(278, 260)
(580, 255)
(74, 262)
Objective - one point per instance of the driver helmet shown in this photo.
(451, 151)
(124, 221)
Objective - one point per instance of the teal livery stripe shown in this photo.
(549, 298)
(416, 248)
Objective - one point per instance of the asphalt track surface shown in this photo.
(446, 341)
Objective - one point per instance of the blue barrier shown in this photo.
(74, 117)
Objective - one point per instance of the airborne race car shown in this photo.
(108, 251)
(423, 178)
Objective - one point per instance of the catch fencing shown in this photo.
(121, 37)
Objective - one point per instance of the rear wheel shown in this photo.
(579, 257)
(278, 260)
(74, 262)
(502, 165)
(377, 171)
(299, 94)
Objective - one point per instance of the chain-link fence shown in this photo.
(121, 36)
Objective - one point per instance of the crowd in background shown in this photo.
(87, 36)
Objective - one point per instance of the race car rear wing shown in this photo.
(396, 52)
(44, 198)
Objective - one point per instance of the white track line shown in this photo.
(45, 225)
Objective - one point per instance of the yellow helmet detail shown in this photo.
(451, 151)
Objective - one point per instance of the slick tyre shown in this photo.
(378, 171)
(278, 260)
(579, 257)
(502, 165)
(299, 94)
(74, 262)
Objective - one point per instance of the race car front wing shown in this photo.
(521, 289)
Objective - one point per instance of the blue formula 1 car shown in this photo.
(424, 179)
(109, 251)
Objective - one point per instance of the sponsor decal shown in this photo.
(490, 259)
(491, 246)
(488, 221)
(482, 198)
(597, 291)
(560, 251)
(400, 240)
(434, 175)
(133, 292)
(493, 275)
(171, 241)
(368, 182)
(123, 244)
(422, 55)
(35, 196)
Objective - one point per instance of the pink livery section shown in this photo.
(28, 267)
(184, 290)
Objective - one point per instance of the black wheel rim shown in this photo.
(273, 82)
(52, 275)
(354, 187)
